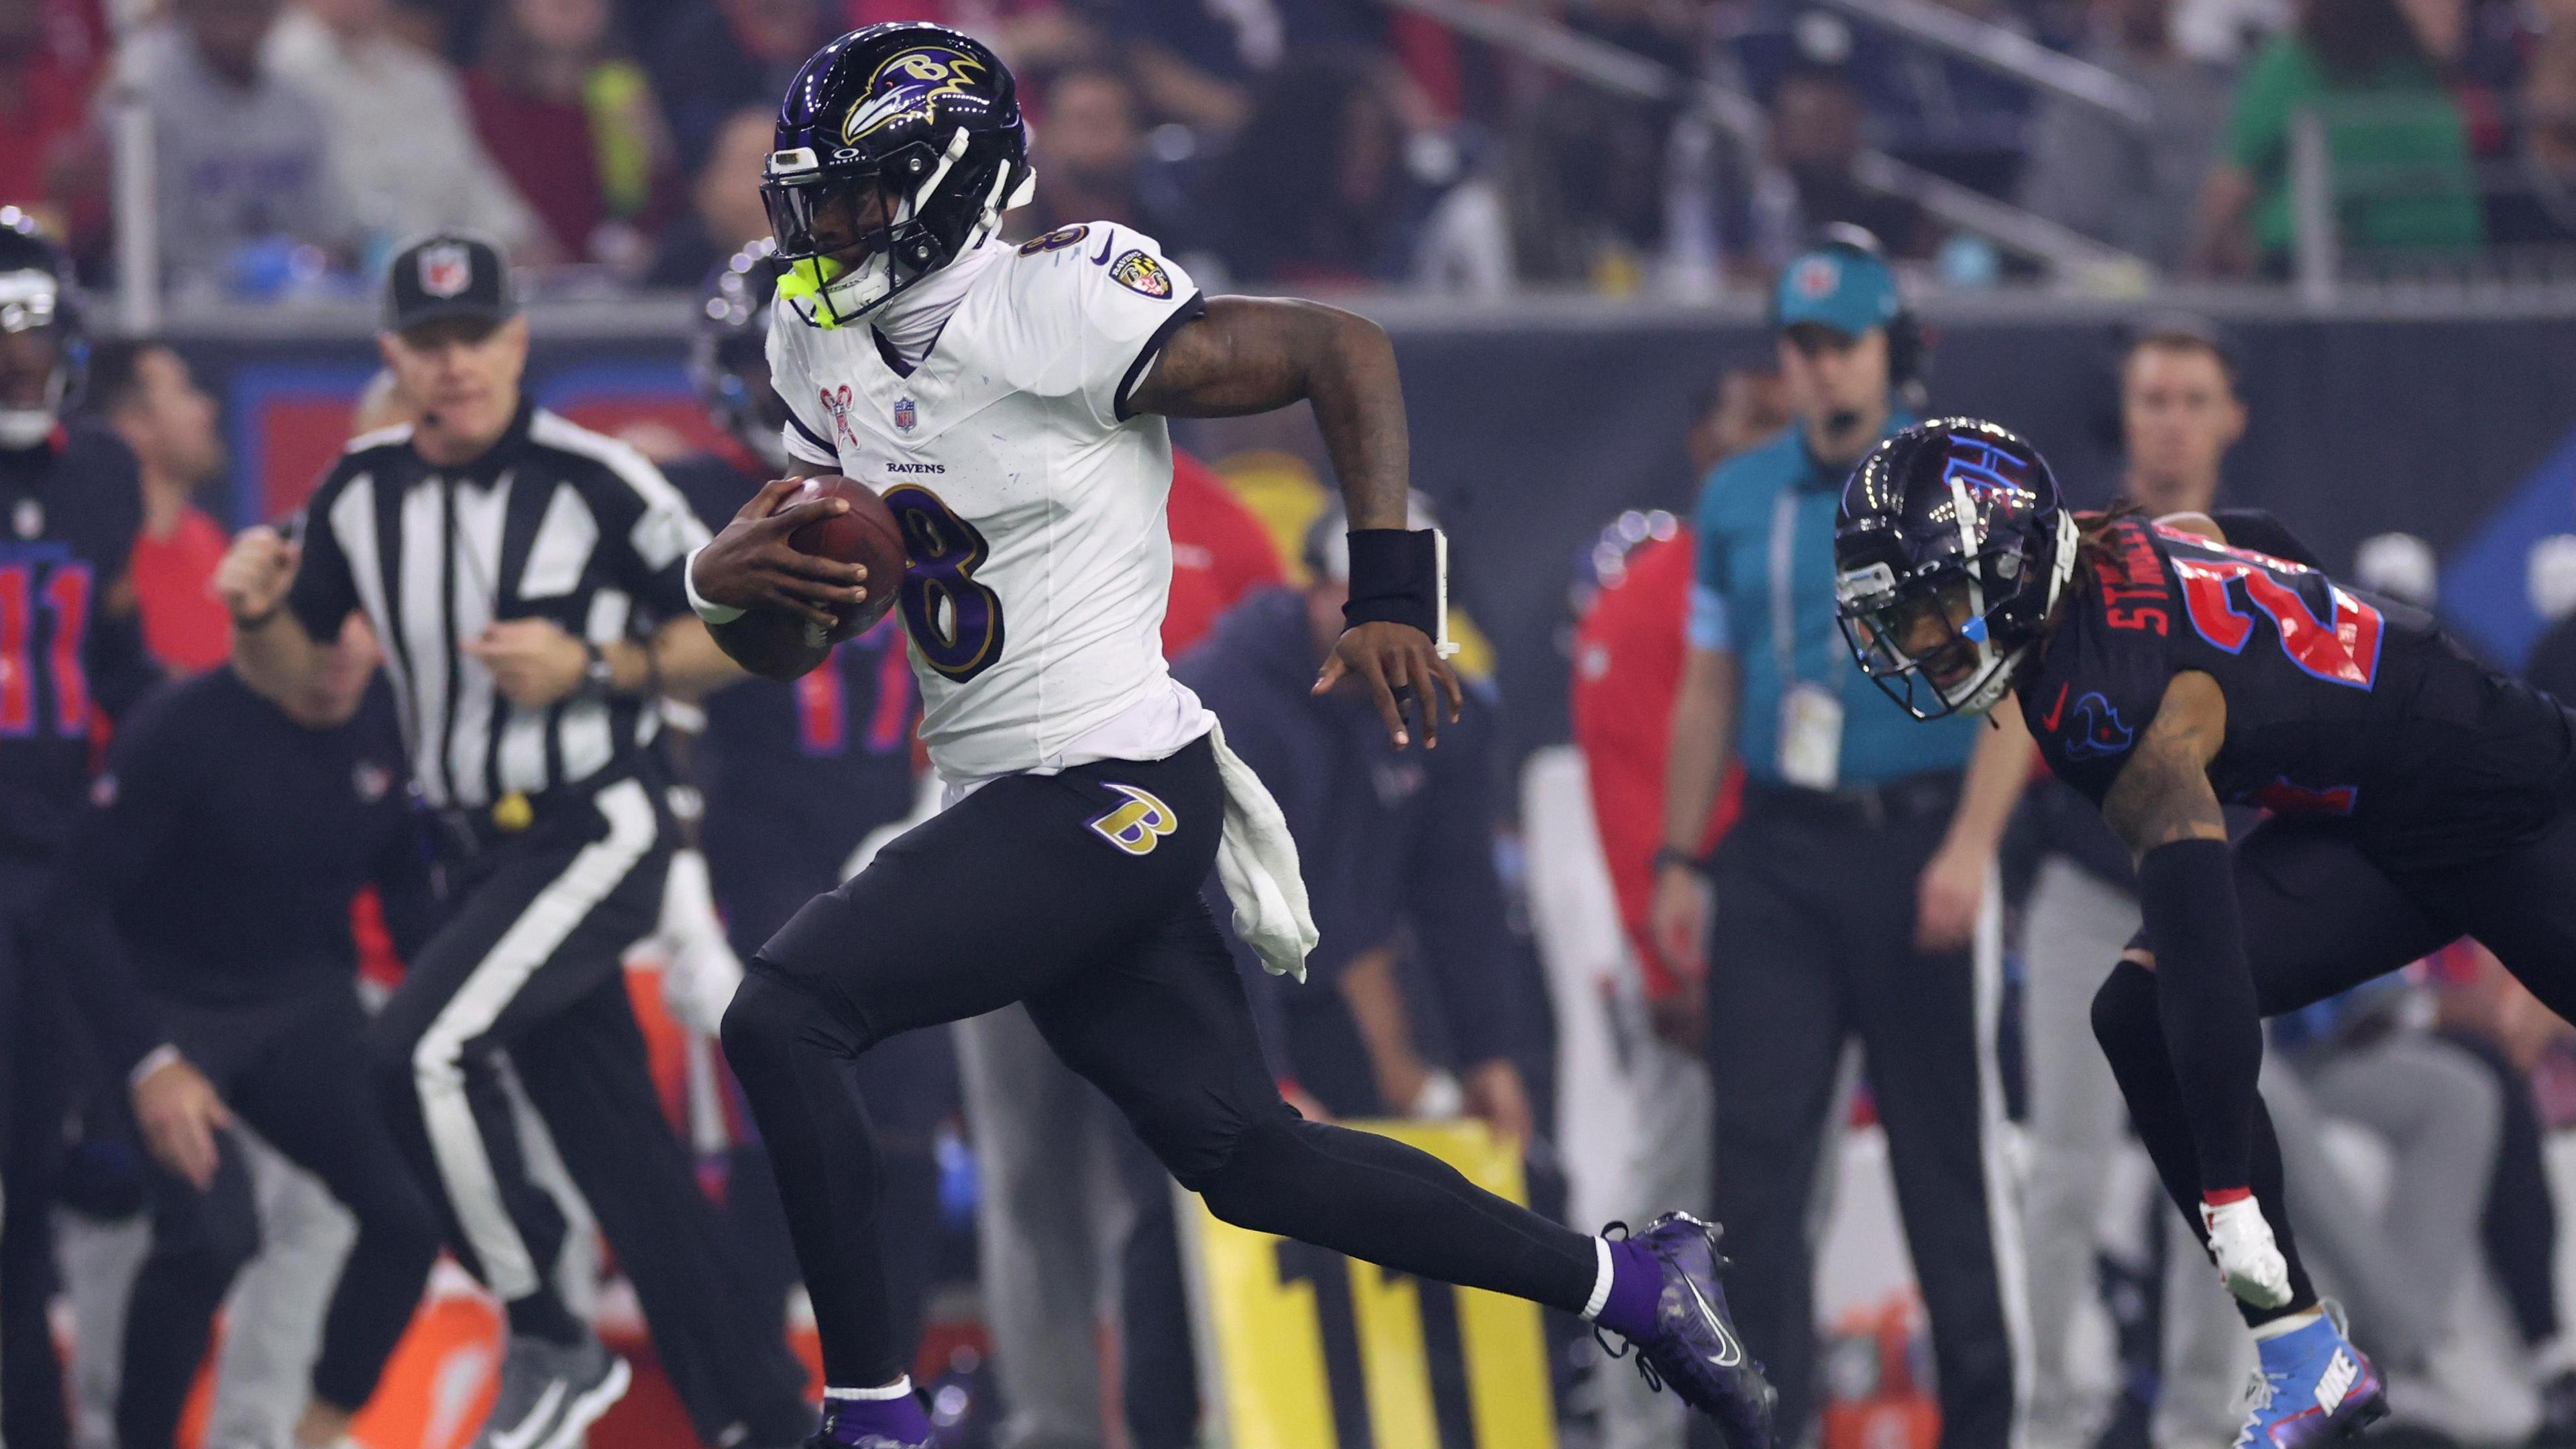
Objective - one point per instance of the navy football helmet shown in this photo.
(43, 349)
(899, 148)
(729, 357)
(1951, 547)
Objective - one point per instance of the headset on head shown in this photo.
(1906, 350)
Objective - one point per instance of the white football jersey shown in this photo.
(1032, 502)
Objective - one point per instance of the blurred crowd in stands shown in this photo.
(1305, 144)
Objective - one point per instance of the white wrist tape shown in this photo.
(713, 613)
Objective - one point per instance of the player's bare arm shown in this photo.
(1952, 888)
(2162, 794)
(1256, 354)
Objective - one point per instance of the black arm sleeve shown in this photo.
(2258, 530)
(2205, 1000)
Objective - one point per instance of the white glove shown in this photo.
(2249, 1260)
(699, 969)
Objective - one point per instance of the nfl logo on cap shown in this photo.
(446, 269)
(1817, 277)
(904, 415)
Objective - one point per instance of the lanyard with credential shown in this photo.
(1811, 712)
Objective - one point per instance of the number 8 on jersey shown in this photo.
(963, 638)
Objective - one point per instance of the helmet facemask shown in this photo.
(1908, 633)
(854, 235)
(34, 336)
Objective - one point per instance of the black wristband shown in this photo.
(1395, 577)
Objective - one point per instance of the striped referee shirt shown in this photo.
(552, 522)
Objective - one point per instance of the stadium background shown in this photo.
(1534, 425)
(1544, 403)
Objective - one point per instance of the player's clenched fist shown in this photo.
(255, 574)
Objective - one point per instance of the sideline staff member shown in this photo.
(523, 575)
(209, 893)
(1839, 791)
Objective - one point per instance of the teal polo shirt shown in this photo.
(1731, 610)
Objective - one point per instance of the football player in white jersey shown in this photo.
(1009, 405)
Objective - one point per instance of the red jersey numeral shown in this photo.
(17, 672)
(2342, 648)
(822, 709)
(66, 592)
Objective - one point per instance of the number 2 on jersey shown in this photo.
(955, 622)
(2342, 648)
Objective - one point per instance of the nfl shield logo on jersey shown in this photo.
(904, 414)
(446, 270)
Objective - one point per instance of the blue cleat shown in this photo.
(2313, 1388)
(1692, 1345)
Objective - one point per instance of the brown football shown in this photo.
(867, 535)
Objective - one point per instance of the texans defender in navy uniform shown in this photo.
(71, 648)
(2166, 666)
(796, 775)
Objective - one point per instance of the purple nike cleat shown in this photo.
(1682, 1335)
(888, 1423)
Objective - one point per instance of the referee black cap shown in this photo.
(448, 274)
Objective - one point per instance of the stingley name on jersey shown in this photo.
(1031, 498)
(2341, 705)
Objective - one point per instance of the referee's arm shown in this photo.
(270, 645)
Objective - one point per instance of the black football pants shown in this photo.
(1813, 945)
(528, 966)
(297, 1070)
(2322, 914)
(1078, 894)
(34, 1099)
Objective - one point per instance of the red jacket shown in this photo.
(1220, 552)
(1627, 672)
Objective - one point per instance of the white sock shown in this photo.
(896, 1390)
(2291, 1324)
(1601, 1277)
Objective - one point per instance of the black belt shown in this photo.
(1921, 796)
(464, 832)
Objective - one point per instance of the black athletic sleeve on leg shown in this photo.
(2205, 998)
